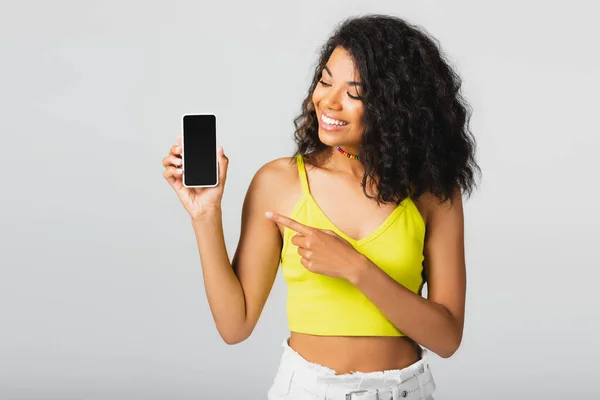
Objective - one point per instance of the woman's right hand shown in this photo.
(195, 200)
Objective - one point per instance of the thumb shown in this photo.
(223, 164)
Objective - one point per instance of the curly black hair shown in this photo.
(416, 137)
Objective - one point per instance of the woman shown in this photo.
(366, 212)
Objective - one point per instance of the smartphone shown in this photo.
(199, 151)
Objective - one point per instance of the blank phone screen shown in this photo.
(200, 150)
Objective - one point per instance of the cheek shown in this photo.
(357, 113)
(316, 97)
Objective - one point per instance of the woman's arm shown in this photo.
(237, 291)
(436, 322)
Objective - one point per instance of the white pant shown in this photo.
(299, 379)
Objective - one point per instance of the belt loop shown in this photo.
(360, 382)
(291, 380)
(395, 392)
(327, 385)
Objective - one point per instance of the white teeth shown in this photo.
(332, 121)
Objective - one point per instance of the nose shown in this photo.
(331, 100)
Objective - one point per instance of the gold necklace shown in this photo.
(344, 175)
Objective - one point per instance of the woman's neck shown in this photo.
(347, 166)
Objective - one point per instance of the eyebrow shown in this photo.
(355, 83)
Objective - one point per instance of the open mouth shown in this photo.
(332, 122)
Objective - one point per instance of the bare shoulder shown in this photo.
(276, 168)
(280, 173)
(277, 182)
(430, 205)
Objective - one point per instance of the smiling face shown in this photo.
(337, 102)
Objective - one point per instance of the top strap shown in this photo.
(302, 173)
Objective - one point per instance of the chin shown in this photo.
(330, 138)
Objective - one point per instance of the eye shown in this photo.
(349, 95)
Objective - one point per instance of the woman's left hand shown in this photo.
(323, 251)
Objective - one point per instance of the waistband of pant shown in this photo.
(412, 382)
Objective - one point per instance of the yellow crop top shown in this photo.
(321, 305)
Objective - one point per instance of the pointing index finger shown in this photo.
(289, 222)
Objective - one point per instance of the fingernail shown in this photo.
(221, 149)
(269, 214)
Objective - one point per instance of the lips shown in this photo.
(333, 117)
(331, 128)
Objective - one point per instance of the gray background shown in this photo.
(101, 292)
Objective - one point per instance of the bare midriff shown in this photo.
(346, 354)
